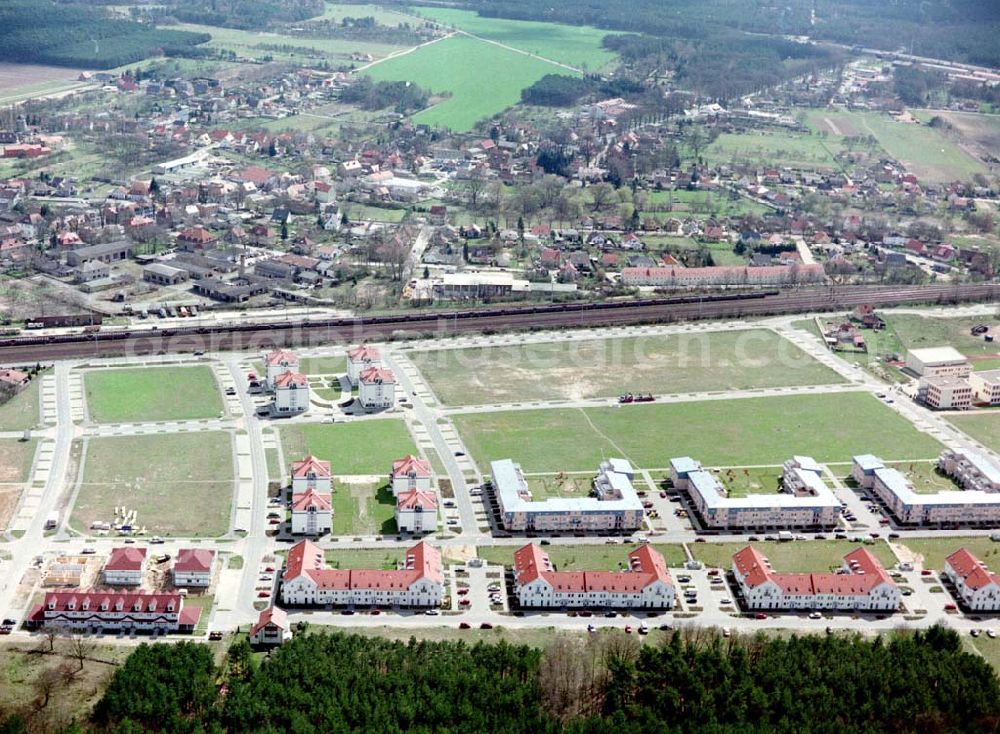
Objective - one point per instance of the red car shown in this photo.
(263, 594)
(663, 495)
(462, 592)
(926, 572)
(950, 607)
(628, 629)
(761, 615)
(464, 602)
(375, 611)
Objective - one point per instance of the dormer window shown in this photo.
(85, 605)
(137, 607)
(119, 605)
(104, 605)
(71, 605)
(52, 604)
(170, 606)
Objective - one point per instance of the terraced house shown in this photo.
(95, 611)
(309, 582)
(860, 584)
(977, 586)
(646, 584)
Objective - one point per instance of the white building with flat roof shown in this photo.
(805, 499)
(945, 392)
(616, 507)
(937, 361)
(975, 505)
(985, 386)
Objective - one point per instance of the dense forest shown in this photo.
(693, 682)
(45, 32)
(402, 97)
(244, 14)
(961, 30)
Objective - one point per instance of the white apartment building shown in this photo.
(360, 359)
(291, 393)
(410, 473)
(311, 474)
(974, 505)
(936, 361)
(416, 511)
(945, 392)
(125, 566)
(615, 508)
(646, 584)
(986, 386)
(377, 388)
(805, 499)
(861, 584)
(308, 581)
(193, 567)
(312, 498)
(977, 586)
(278, 363)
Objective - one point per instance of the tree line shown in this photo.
(693, 681)
(44, 32)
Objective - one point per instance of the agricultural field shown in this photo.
(794, 557)
(189, 498)
(359, 448)
(382, 16)
(22, 410)
(781, 149)
(983, 426)
(363, 509)
(580, 369)
(152, 394)
(577, 46)
(482, 79)
(739, 432)
(934, 550)
(589, 557)
(924, 151)
(251, 44)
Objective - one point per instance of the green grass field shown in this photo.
(249, 43)
(935, 550)
(740, 482)
(719, 203)
(924, 151)
(22, 411)
(577, 46)
(585, 557)
(359, 448)
(483, 79)
(382, 16)
(349, 558)
(780, 149)
(152, 394)
(560, 485)
(579, 369)
(984, 427)
(323, 365)
(926, 478)
(192, 497)
(795, 557)
(742, 432)
(363, 509)
(914, 332)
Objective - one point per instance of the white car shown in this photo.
(726, 601)
(815, 615)
(432, 612)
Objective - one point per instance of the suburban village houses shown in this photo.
(977, 587)
(272, 628)
(97, 611)
(312, 497)
(125, 566)
(193, 567)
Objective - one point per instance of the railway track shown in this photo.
(35, 348)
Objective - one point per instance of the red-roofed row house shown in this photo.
(312, 497)
(646, 584)
(861, 584)
(416, 503)
(977, 586)
(308, 581)
(95, 611)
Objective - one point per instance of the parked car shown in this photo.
(628, 629)
(486, 626)
(432, 612)
(760, 615)
(263, 594)
(464, 626)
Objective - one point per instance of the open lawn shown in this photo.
(577, 46)
(382, 16)
(22, 410)
(709, 203)
(924, 151)
(984, 427)
(15, 459)
(363, 509)
(152, 394)
(482, 78)
(935, 550)
(579, 369)
(926, 477)
(915, 331)
(740, 432)
(585, 557)
(387, 558)
(795, 557)
(366, 447)
(323, 365)
(742, 481)
(779, 149)
(560, 485)
(192, 497)
(988, 647)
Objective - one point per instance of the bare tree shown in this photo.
(601, 195)
(81, 649)
(475, 186)
(46, 684)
